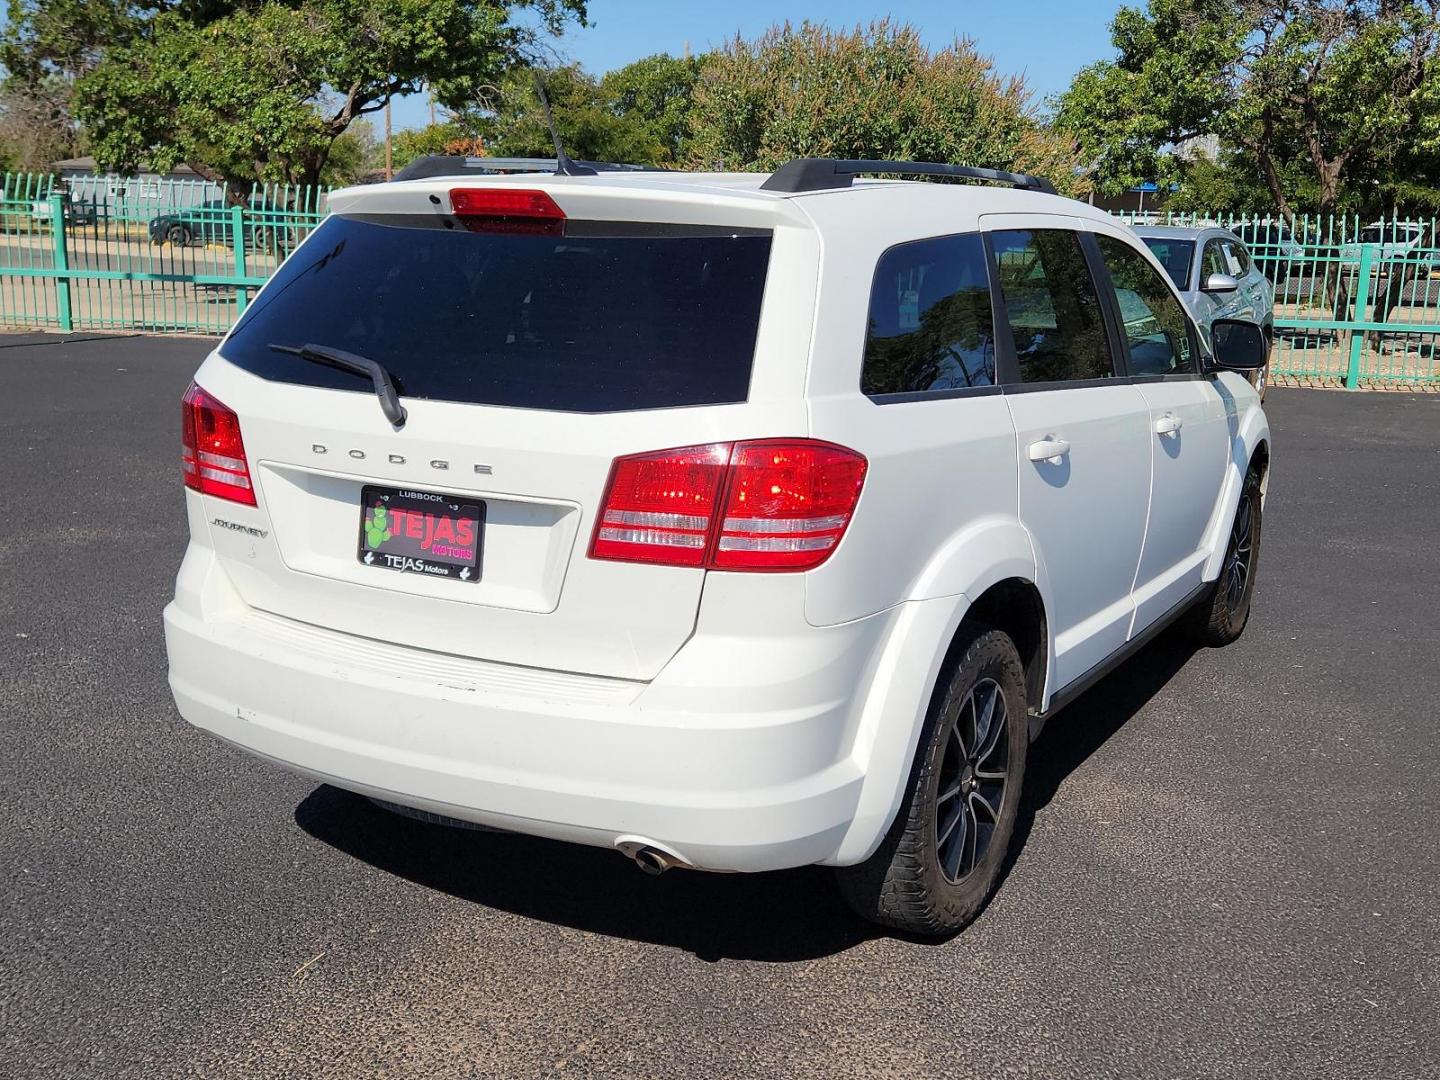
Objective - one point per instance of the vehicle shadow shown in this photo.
(1087, 724)
(781, 917)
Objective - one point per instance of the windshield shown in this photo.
(1175, 256)
(660, 316)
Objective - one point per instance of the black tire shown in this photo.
(1221, 614)
(178, 235)
(905, 885)
(265, 239)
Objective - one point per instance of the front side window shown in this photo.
(931, 327)
(1151, 317)
(1053, 308)
(1214, 261)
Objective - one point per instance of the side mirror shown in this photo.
(1220, 283)
(1238, 345)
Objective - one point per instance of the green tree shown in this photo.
(414, 143)
(353, 155)
(657, 93)
(67, 38)
(511, 122)
(1315, 94)
(874, 92)
(261, 89)
(1233, 182)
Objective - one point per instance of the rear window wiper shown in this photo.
(356, 365)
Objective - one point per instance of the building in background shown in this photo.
(103, 194)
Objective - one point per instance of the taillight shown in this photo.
(508, 210)
(771, 504)
(787, 503)
(212, 455)
(659, 507)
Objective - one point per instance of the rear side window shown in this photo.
(1053, 307)
(931, 328)
(1151, 317)
(608, 317)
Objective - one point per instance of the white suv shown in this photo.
(732, 522)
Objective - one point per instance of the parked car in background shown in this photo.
(1273, 246)
(76, 211)
(731, 522)
(1392, 240)
(266, 225)
(1217, 277)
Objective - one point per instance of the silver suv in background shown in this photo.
(1216, 277)
(1390, 240)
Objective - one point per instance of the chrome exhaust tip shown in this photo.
(651, 861)
(648, 857)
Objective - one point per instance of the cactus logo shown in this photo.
(377, 526)
(420, 532)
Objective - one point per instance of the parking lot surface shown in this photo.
(1230, 862)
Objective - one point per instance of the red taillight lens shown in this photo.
(786, 503)
(212, 455)
(659, 507)
(507, 210)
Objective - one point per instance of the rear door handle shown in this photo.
(1168, 424)
(1049, 449)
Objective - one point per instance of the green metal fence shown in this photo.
(98, 253)
(1357, 302)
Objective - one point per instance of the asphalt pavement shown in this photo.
(1230, 860)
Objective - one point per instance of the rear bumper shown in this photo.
(743, 755)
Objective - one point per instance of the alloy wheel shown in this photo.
(1237, 564)
(972, 781)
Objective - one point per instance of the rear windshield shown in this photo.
(591, 321)
(1175, 256)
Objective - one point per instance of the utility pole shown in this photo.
(431, 89)
(389, 169)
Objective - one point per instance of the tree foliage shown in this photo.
(35, 125)
(513, 124)
(260, 89)
(412, 143)
(874, 92)
(657, 94)
(1316, 96)
(639, 113)
(353, 156)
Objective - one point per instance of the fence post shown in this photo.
(237, 237)
(62, 261)
(1357, 314)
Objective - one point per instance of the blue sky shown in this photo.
(1046, 40)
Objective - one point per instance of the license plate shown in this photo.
(421, 532)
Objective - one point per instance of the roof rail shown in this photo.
(821, 174)
(446, 165)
